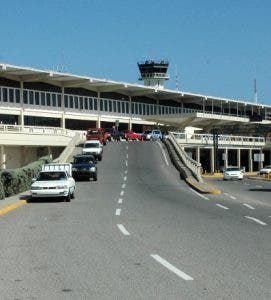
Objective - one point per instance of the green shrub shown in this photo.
(19, 180)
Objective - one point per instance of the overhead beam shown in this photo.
(75, 83)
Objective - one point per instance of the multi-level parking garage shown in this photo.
(32, 97)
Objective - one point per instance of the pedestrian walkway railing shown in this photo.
(190, 163)
(226, 140)
(38, 130)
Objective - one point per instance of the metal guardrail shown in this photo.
(190, 163)
(207, 139)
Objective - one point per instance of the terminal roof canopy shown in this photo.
(66, 80)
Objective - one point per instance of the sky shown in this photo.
(214, 47)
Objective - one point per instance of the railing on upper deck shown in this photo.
(207, 139)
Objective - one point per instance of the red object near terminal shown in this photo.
(130, 135)
(97, 134)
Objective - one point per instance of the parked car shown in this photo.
(156, 134)
(93, 147)
(233, 173)
(147, 135)
(97, 134)
(84, 166)
(54, 180)
(130, 135)
(265, 170)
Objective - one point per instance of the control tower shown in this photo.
(153, 72)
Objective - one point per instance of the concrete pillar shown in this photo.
(21, 118)
(250, 161)
(98, 122)
(130, 125)
(198, 154)
(130, 110)
(49, 151)
(212, 160)
(62, 121)
(226, 158)
(261, 162)
(239, 158)
(2, 157)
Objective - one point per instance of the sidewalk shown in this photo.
(6, 202)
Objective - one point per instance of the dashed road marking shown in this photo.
(125, 178)
(258, 186)
(204, 197)
(127, 155)
(249, 206)
(126, 147)
(232, 197)
(118, 212)
(123, 229)
(123, 186)
(120, 200)
(122, 193)
(126, 171)
(256, 220)
(222, 206)
(170, 267)
(126, 163)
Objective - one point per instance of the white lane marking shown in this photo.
(199, 194)
(120, 200)
(127, 156)
(171, 267)
(249, 206)
(123, 229)
(122, 193)
(258, 186)
(232, 197)
(123, 186)
(126, 171)
(246, 184)
(163, 152)
(118, 211)
(222, 206)
(126, 163)
(126, 147)
(125, 178)
(255, 220)
(226, 194)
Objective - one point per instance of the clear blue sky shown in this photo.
(218, 47)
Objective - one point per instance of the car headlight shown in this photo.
(62, 187)
(92, 169)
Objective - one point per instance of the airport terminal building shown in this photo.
(33, 98)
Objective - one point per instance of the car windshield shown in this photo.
(233, 169)
(147, 131)
(91, 145)
(83, 160)
(156, 132)
(267, 167)
(46, 176)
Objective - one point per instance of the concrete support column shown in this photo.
(226, 158)
(98, 122)
(261, 162)
(212, 160)
(62, 121)
(21, 118)
(2, 157)
(130, 110)
(250, 161)
(198, 154)
(49, 151)
(239, 158)
(130, 125)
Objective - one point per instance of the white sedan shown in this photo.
(265, 170)
(233, 173)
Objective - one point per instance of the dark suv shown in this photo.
(84, 166)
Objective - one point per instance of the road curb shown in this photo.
(203, 187)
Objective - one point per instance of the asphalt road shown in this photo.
(140, 232)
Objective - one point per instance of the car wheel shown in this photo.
(95, 178)
(68, 198)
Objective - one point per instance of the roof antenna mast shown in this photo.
(255, 91)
